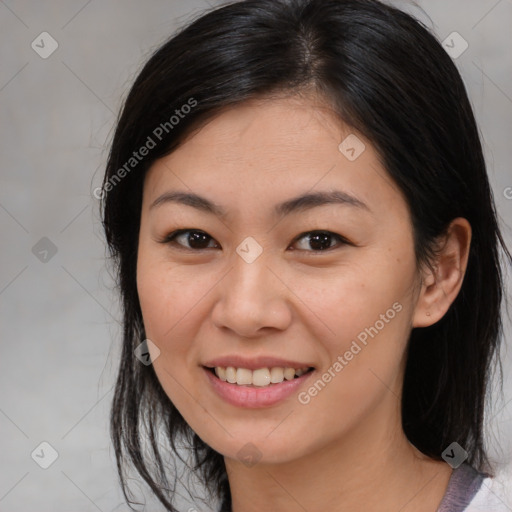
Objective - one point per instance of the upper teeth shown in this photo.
(259, 377)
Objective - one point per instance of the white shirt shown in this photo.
(491, 497)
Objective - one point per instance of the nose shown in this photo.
(252, 299)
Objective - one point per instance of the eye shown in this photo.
(195, 238)
(320, 240)
(198, 240)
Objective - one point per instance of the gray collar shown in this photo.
(462, 487)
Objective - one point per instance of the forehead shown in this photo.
(277, 125)
(269, 150)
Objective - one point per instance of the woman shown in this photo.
(308, 254)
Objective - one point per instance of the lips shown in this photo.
(255, 397)
(261, 392)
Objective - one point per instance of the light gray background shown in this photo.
(59, 319)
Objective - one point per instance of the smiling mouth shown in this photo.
(259, 378)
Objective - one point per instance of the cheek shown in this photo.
(168, 303)
(369, 320)
(365, 313)
(354, 298)
(166, 294)
(163, 305)
(174, 304)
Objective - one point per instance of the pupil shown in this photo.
(320, 241)
(195, 238)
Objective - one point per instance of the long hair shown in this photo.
(388, 77)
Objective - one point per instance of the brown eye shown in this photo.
(320, 240)
(195, 239)
(311, 241)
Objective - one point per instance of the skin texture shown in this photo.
(345, 449)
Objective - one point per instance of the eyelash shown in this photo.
(170, 239)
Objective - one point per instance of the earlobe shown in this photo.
(442, 284)
(423, 314)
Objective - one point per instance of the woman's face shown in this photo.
(251, 283)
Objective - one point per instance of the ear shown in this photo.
(440, 287)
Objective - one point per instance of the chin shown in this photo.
(251, 450)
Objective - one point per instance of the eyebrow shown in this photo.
(297, 204)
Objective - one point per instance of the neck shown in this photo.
(372, 468)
